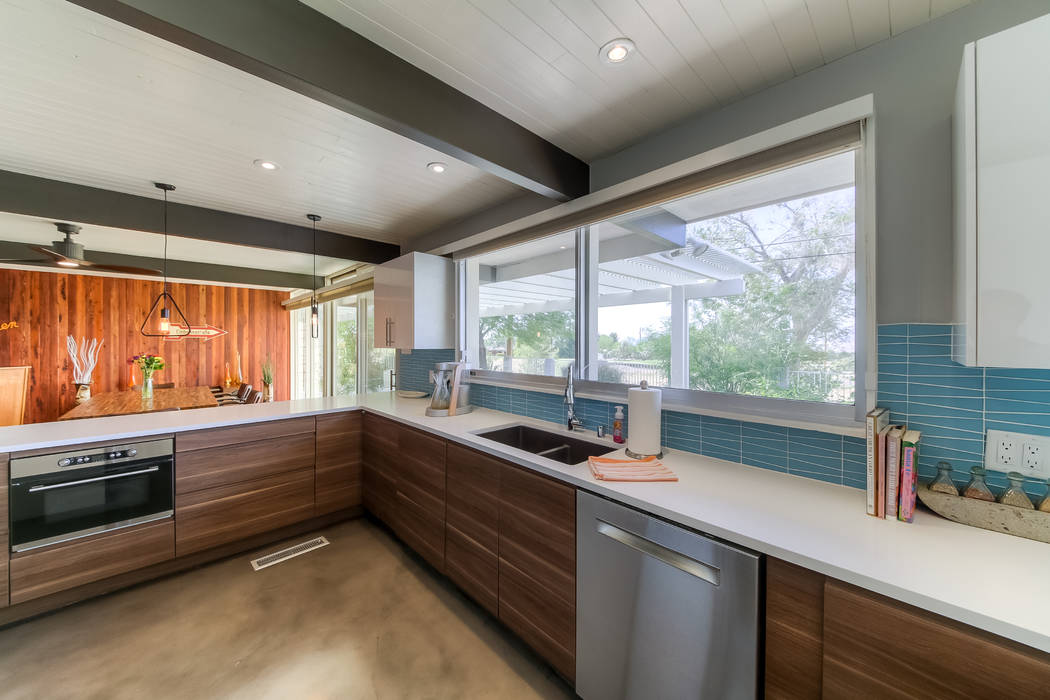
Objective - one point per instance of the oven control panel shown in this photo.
(77, 460)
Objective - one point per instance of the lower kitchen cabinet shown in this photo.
(5, 545)
(537, 564)
(337, 483)
(828, 639)
(379, 458)
(211, 517)
(39, 572)
(420, 492)
(472, 524)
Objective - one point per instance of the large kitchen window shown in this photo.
(734, 294)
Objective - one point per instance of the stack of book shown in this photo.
(893, 467)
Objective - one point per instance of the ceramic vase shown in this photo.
(83, 393)
(268, 392)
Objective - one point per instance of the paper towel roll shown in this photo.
(643, 420)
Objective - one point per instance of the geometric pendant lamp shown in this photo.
(160, 325)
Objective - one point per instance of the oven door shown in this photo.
(55, 507)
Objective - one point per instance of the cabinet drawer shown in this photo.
(420, 467)
(208, 518)
(220, 466)
(219, 437)
(544, 622)
(537, 529)
(473, 568)
(381, 430)
(472, 495)
(420, 530)
(338, 462)
(56, 568)
(379, 493)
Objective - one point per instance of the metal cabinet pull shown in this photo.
(35, 489)
(670, 557)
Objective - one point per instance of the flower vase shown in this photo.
(147, 387)
(268, 392)
(83, 394)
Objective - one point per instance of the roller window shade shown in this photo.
(330, 293)
(842, 138)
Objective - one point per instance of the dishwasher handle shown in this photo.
(682, 562)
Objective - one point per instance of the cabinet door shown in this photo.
(379, 480)
(40, 572)
(393, 284)
(794, 631)
(1013, 196)
(537, 564)
(209, 518)
(472, 523)
(4, 543)
(421, 494)
(337, 482)
(878, 647)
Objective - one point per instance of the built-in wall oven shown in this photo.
(63, 496)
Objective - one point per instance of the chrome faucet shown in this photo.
(572, 422)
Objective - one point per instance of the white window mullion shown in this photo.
(679, 338)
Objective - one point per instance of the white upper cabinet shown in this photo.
(415, 303)
(1001, 142)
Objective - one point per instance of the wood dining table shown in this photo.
(122, 403)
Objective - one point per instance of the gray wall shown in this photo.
(912, 77)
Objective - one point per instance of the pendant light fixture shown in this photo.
(161, 327)
(314, 321)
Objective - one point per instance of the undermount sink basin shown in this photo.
(559, 446)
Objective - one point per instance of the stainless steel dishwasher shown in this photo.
(661, 611)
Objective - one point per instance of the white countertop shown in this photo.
(989, 580)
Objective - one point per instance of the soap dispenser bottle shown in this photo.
(618, 425)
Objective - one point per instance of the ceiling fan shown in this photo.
(70, 254)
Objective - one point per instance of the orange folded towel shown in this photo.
(648, 469)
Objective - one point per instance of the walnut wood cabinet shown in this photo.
(39, 572)
(537, 564)
(232, 483)
(337, 473)
(420, 489)
(379, 480)
(472, 524)
(5, 546)
(828, 639)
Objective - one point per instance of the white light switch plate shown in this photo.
(1018, 452)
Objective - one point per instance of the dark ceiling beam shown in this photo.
(177, 269)
(292, 45)
(64, 201)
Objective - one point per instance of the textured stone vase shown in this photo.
(83, 393)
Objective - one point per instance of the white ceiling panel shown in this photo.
(91, 101)
(536, 61)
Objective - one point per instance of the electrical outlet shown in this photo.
(1017, 452)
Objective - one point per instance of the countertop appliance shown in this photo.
(451, 396)
(65, 495)
(661, 611)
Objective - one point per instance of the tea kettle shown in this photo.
(451, 397)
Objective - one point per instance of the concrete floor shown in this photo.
(360, 618)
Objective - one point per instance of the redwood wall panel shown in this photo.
(48, 306)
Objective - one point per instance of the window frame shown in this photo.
(744, 407)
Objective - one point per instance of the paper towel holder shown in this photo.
(634, 455)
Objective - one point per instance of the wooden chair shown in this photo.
(240, 397)
(14, 382)
(254, 397)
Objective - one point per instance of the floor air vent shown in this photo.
(293, 551)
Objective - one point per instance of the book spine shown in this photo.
(892, 475)
(909, 454)
(880, 495)
(872, 435)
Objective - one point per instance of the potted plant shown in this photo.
(267, 378)
(149, 364)
(84, 356)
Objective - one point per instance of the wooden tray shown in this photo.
(1032, 524)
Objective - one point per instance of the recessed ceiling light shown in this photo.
(617, 50)
(265, 164)
(436, 167)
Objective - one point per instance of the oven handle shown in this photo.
(35, 489)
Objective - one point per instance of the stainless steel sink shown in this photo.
(559, 446)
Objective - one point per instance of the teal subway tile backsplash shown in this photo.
(413, 373)
(952, 405)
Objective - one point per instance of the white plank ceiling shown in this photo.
(89, 100)
(536, 61)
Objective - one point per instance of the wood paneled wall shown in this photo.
(48, 306)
